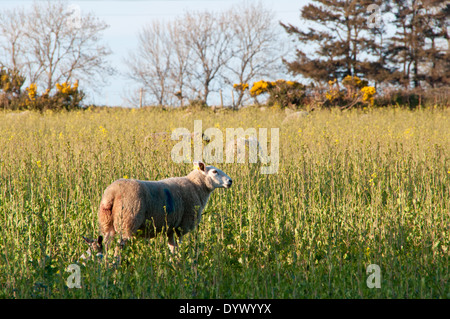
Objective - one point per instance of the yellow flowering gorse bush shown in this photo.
(32, 90)
(356, 91)
(66, 88)
(368, 94)
(241, 87)
(282, 93)
(66, 96)
(260, 87)
(10, 81)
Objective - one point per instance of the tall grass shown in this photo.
(353, 189)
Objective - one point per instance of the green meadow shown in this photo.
(353, 189)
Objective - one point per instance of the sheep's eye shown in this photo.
(214, 171)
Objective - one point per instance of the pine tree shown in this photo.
(418, 49)
(435, 21)
(343, 39)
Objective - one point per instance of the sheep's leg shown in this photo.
(107, 239)
(119, 248)
(173, 243)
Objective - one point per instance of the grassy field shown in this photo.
(353, 188)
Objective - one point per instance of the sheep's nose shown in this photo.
(229, 183)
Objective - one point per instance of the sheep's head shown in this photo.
(95, 245)
(215, 178)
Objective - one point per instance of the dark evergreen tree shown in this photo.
(436, 52)
(419, 49)
(344, 38)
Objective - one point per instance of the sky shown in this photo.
(127, 17)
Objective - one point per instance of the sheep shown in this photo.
(173, 205)
(96, 246)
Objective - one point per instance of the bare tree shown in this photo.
(181, 58)
(54, 45)
(201, 52)
(150, 64)
(209, 36)
(256, 45)
(12, 31)
(182, 54)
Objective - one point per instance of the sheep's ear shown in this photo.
(99, 243)
(89, 241)
(199, 165)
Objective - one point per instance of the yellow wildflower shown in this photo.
(103, 130)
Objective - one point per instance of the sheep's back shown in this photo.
(186, 199)
(154, 205)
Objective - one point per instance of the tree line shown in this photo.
(401, 44)
(346, 42)
(184, 60)
(52, 48)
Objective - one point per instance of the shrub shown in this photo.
(241, 87)
(260, 87)
(67, 96)
(11, 82)
(356, 92)
(431, 97)
(197, 104)
(281, 93)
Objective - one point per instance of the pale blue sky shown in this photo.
(127, 17)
